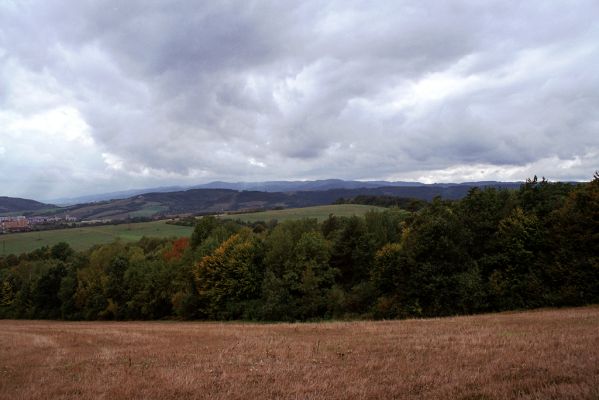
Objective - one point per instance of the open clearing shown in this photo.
(530, 355)
(85, 237)
(319, 212)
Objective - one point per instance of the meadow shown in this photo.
(85, 237)
(319, 212)
(545, 354)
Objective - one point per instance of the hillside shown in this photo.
(15, 204)
(294, 186)
(270, 186)
(449, 258)
(203, 201)
(198, 201)
(85, 237)
(318, 212)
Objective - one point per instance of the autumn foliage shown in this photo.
(177, 249)
(493, 250)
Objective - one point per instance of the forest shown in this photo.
(493, 250)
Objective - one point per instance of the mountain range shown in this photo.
(217, 197)
(269, 186)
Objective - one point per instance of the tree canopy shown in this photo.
(492, 250)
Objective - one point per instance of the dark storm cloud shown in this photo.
(184, 91)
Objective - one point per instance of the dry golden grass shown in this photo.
(532, 355)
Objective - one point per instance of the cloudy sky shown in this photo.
(99, 96)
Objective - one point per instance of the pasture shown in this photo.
(84, 237)
(545, 354)
(319, 212)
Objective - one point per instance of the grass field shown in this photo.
(83, 238)
(319, 212)
(548, 354)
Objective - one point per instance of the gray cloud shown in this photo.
(147, 92)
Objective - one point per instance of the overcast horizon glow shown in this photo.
(106, 96)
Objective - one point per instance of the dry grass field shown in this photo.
(547, 354)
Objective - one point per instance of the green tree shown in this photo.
(44, 296)
(312, 253)
(437, 259)
(298, 274)
(151, 287)
(231, 276)
(202, 230)
(515, 281)
(574, 272)
(62, 251)
(385, 227)
(352, 253)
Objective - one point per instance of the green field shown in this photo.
(319, 212)
(85, 237)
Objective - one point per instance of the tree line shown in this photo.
(493, 250)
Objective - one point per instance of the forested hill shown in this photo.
(196, 201)
(329, 184)
(493, 250)
(273, 186)
(15, 204)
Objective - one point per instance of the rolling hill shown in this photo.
(318, 212)
(270, 186)
(82, 238)
(198, 201)
(15, 204)
(204, 201)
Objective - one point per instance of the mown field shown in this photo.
(319, 212)
(548, 354)
(85, 237)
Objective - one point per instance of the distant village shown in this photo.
(22, 223)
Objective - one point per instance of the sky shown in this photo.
(99, 96)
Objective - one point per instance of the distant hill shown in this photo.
(196, 201)
(15, 204)
(123, 194)
(330, 184)
(270, 186)
(294, 186)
